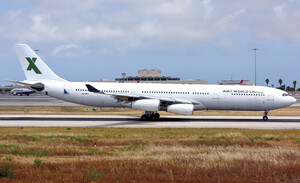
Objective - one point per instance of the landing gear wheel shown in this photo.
(156, 116)
(144, 117)
(265, 117)
(150, 115)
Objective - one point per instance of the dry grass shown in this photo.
(81, 110)
(66, 110)
(149, 155)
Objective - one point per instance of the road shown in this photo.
(247, 122)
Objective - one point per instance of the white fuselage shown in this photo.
(203, 97)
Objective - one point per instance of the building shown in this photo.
(154, 76)
(153, 72)
(235, 82)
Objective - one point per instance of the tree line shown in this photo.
(283, 87)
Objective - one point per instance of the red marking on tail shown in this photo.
(241, 82)
(138, 81)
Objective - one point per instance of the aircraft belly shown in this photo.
(90, 99)
(247, 104)
(235, 104)
(104, 101)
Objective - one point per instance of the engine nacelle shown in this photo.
(184, 109)
(146, 104)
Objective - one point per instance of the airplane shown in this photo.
(181, 99)
(21, 91)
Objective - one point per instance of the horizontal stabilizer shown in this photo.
(20, 83)
(35, 86)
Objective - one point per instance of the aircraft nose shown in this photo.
(290, 100)
(285, 101)
(293, 100)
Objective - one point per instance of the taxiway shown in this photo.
(32, 100)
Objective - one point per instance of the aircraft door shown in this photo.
(216, 94)
(215, 100)
(270, 100)
(135, 90)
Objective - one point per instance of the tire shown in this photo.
(144, 117)
(156, 116)
(265, 118)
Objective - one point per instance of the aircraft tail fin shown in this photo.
(241, 83)
(33, 66)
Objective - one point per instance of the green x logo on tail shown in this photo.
(32, 65)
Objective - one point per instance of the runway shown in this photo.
(108, 121)
(253, 122)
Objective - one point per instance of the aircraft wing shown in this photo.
(128, 96)
(94, 90)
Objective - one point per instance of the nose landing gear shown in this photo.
(150, 115)
(265, 117)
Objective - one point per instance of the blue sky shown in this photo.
(191, 39)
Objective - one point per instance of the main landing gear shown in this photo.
(265, 117)
(150, 115)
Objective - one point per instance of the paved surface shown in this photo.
(249, 122)
(133, 121)
(38, 100)
(32, 100)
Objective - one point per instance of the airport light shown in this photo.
(255, 49)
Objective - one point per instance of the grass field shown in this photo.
(148, 155)
(69, 110)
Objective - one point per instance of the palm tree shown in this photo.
(294, 83)
(267, 81)
(280, 81)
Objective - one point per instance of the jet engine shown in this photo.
(146, 104)
(184, 109)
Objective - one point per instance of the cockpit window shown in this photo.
(285, 94)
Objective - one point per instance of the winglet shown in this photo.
(92, 89)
